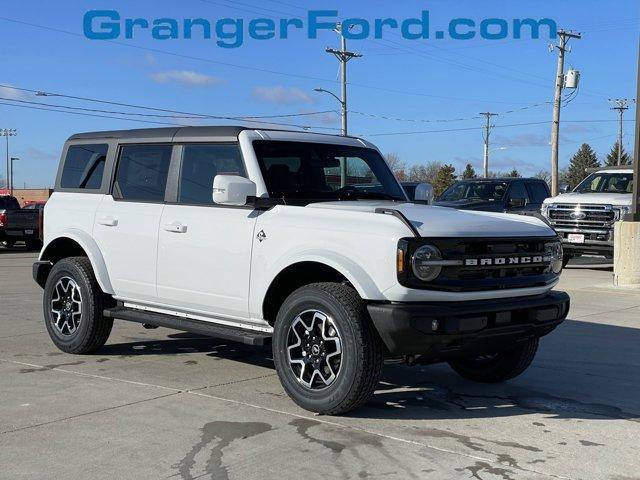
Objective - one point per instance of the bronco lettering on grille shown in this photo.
(530, 260)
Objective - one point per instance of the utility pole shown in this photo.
(485, 136)
(343, 56)
(620, 104)
(564, 37)
(8, 132)
(11, 187)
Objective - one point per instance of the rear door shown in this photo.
(127, 220)
(204, 254)
(517, 198)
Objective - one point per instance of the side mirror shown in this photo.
(517, 202)
(424, 193)
(232, 190)
(565, 188)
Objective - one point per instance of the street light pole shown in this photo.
(13, 159)
(8, 132)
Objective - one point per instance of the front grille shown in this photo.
(581, 216)
(465, 278)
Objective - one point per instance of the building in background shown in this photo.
(29, 194)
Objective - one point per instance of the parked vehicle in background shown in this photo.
(34, 205)
(510, 195)
(302, 239)
(585, 217)
(17, 224)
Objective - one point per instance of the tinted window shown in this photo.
(200, 165)
(537, 191)
(485, 191)
(9, 203)
(316, 171)
(84, 166)
(142, 172)
(607, 182)
(518, 192)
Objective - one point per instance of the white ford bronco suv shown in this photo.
(303, 240)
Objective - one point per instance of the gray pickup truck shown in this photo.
(17, 224)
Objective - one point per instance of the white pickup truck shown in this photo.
(584, 218)
(303, 240)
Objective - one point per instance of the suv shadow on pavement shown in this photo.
(569, 380)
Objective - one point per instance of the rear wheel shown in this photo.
(497, 367)
(327, 353)
(73, 306)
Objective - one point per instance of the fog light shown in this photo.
(434, 325)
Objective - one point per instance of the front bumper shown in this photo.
(466, 328)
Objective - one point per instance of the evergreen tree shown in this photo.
(469, 172)
(584, 158)
(444, 178)
(612, 156)
(514, 173)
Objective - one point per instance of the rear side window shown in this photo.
(84, 166)
(142, 172)
(200, 165)
(537, 191)
(9, 203)
(518, 192)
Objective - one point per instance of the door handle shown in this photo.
(108, 221)
(175, 227)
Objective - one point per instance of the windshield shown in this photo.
(319, 171)
(481, 191)
(606, 183)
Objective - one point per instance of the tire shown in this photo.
(332, 311)
(78, 327)
(499, 367)
(566, 259)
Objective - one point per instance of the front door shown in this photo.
(204, 249)
(126, 222)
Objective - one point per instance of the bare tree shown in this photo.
(424, 173)
(544, 175)
(397, 166)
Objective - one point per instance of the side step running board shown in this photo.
(189, 325)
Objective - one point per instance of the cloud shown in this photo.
(186, 78)
(281, 95)
(13, 94)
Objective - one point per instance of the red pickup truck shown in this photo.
(18, 225)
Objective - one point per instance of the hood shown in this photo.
(432, 221)
(469, 204)
(595, 198)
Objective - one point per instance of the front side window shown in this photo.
(478, 191)
(200, 165)
(537, 191)
(84, 166)
(318, 171)
(142, 172)
(607, 183)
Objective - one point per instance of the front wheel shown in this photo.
(73, 306)
(327, 353)
(497, 367)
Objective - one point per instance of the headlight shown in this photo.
(544, 210)
(422, 263)
(621, 211)
(555, 253)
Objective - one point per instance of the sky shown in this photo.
(418, 98)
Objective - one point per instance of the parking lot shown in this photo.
(164, 404)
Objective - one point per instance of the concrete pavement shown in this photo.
(163, 404)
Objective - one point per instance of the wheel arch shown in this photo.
(72, 243)
(301, 272)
